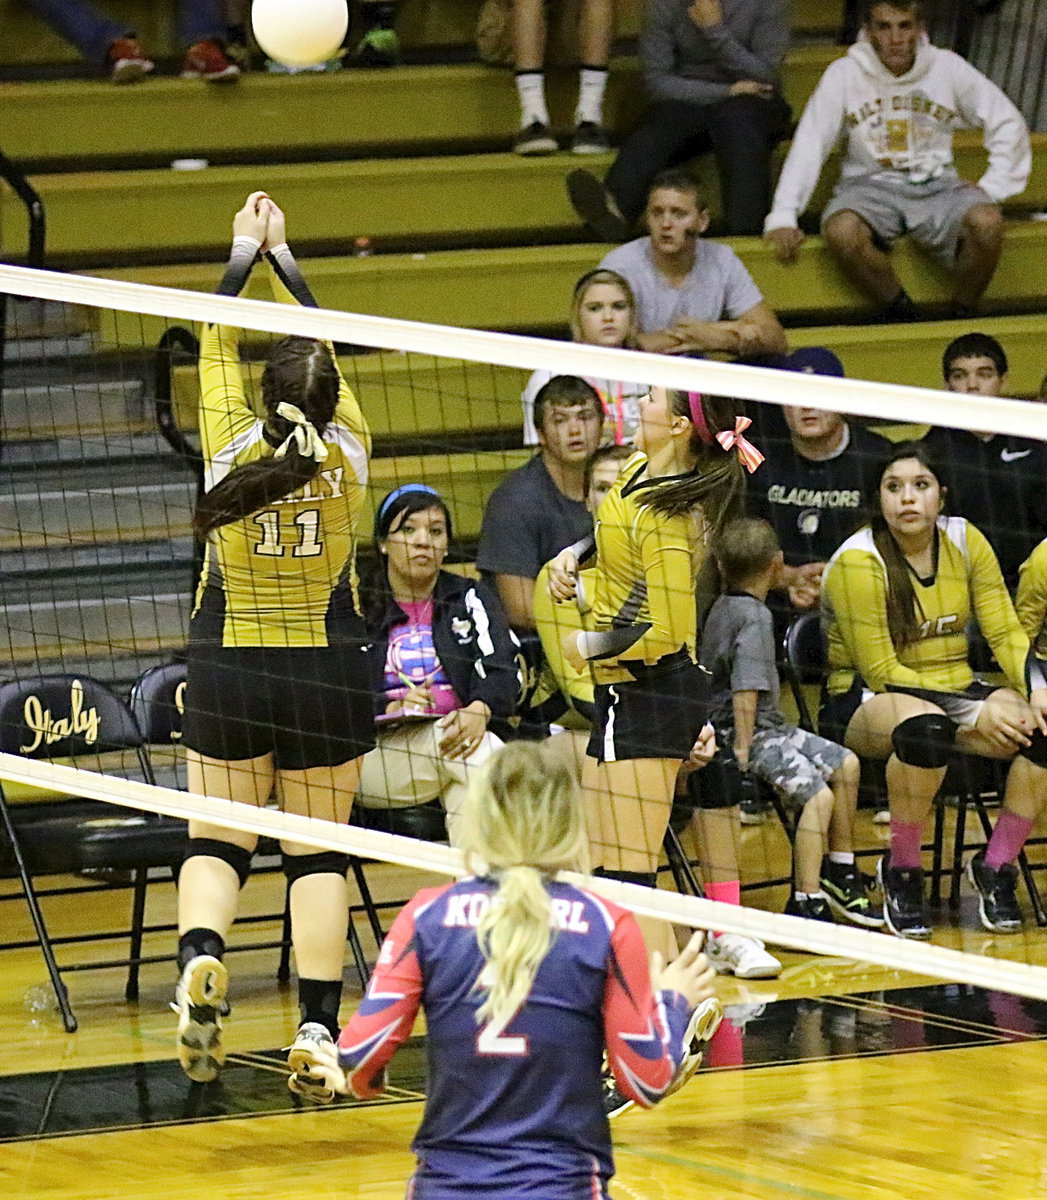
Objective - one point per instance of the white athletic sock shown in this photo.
(841, 856)
(591, 86)
(531, 88)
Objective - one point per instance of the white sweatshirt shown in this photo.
(899, 128)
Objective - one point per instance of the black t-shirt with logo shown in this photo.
(814, 506)
(1000, 485)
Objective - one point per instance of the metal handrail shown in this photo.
(34, 207)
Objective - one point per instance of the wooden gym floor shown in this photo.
(839, 1081)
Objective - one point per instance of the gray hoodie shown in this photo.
(900, 127)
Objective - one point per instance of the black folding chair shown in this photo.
(73, 717)
(156, 701)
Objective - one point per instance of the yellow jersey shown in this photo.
(646, 567)
(285, 575)
(1031, 601)
(552, 621)
(967, 584)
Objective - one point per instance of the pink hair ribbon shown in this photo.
(747, 452)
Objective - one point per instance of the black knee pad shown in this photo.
(236, 856)
(323, 862)
(720, 784)
(641, 878)
(1036, 751)
(924, 741)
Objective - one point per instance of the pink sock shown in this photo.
(729, 892)
(1007, 839)
(906, 837)
(725, 1046)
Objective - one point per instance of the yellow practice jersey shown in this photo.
(552, 621)
(1031, 602)
(967, 585)
(285, 575)
(646, 567)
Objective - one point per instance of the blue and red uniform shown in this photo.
(514, 1108)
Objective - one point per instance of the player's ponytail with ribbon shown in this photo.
(722, 457)
(300, 390)
(523, 823)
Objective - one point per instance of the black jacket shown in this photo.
(472, 639)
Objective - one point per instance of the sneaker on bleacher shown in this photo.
(128, 62)
(207, 60)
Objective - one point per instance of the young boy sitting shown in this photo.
(737, 646)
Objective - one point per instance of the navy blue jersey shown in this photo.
(514, 1108)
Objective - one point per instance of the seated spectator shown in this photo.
(814, 775)
(443, 662)
(595, 33)
(815, 488)
(114, 47)
(603, 313)
(540, 507)
(712, 73)
(898, 597)
(1031, 600)
(692, 296)
(896, 100)
(995, 480)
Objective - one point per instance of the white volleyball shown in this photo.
(300, 33)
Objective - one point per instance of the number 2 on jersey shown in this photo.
(308, 528)
(492, 1039)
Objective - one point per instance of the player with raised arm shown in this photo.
(650, 541)
(524, 980)
(278, 696)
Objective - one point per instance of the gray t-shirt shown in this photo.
(717, 288)
(528, 521)
(737, 647)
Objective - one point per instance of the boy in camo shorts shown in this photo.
(809, 772)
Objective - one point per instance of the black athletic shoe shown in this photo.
(814, 908)
(534, 140)
(596, 207)
(997, 903)
(844, 888)
(614, 1103)
(904, 906)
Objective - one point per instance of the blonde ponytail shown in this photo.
(523, 823)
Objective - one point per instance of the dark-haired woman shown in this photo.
(278, 698)
(443, 662)
(898, 597)
(651, 536)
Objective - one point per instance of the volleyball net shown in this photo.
(102, 464)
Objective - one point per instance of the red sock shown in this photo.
(729, 892)
(906, 837)
(1007, 839)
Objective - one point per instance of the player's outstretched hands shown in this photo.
(689, 974)
(253, 219)
(277, 229)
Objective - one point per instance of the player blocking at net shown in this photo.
(278, 698)
(524, 980)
